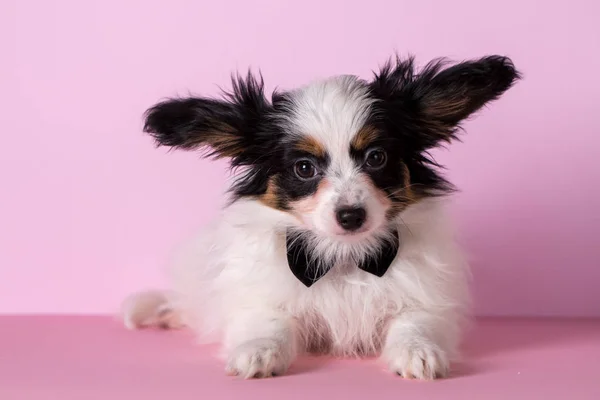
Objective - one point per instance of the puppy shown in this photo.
(335, 238)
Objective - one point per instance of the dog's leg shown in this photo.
(150, 309)
(260, 344)
(419, 344)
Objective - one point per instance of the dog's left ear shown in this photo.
(437, 99)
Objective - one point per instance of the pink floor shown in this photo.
(68, 358)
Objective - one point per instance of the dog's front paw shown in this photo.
(260, 358)
(418, 361)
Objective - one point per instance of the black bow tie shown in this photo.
(308, 270)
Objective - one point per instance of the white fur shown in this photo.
(232, 284)
(332, 110)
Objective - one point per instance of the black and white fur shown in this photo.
(342, 143)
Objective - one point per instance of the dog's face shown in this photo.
(344, 156)
(339, 171)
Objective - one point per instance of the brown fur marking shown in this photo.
(441, 105)
(311, 145)
(225, 140)
(222, 138)
(364, 138)
(402, 196)
(271, 198)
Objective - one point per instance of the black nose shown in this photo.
(351, 218)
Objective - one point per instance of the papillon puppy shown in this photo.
(335, 238)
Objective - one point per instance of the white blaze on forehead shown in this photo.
(332, 111)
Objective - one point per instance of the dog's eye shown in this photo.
(305, 169)
(376, 159)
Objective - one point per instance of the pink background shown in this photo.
(90, 210)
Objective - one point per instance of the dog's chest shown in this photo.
(345, 317)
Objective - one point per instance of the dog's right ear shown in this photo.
(231, 127)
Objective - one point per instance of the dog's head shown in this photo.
(344, 155)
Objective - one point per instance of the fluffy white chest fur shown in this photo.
(232, 284)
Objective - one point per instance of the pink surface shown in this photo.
(95, 358)
(90, 210)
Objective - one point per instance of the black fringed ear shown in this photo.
(231, 127)
(433, 102)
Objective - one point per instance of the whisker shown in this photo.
(406, 226)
